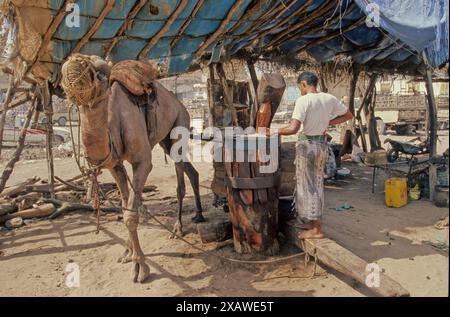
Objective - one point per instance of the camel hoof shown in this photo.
(125, 257)
(198, 218)
(177, 230)
(140, 272)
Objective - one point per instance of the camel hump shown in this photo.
(135, 76)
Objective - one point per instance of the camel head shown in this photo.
(85, 79)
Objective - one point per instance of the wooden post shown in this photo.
(364, 104)
(253, 89)
(353, 83)
(8, 99)
(432, 131)
(227, 95)
(48, 110)
(211, 101)
(374, 139)
(20, 145)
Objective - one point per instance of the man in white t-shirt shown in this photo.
(314, 112)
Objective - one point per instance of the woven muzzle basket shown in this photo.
(79, 80)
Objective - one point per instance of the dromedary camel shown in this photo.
(115, 130)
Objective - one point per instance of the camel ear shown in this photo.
(101, 65)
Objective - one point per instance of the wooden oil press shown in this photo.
(250, 192)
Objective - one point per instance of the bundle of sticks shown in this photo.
(31, 198)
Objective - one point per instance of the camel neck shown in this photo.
(95, 131)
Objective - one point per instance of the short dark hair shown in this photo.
(310, 78)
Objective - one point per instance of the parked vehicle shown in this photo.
(36, 135)
(61, 116)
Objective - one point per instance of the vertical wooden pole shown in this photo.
(48, 110)
(20, 145)
(432, 130)
(228, 96)
(255, 84)
(211, 116)
(352, 93)
(364, 106)
(8, 99)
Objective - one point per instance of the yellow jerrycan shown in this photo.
(396, 192)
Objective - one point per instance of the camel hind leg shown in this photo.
(192, 174)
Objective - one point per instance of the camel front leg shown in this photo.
(140, 270)
(119, 174)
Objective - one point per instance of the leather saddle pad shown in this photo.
(136, 76)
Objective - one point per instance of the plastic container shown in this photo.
(396, 192)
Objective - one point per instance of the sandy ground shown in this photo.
(34, 258)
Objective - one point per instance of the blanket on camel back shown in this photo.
(82, 74)
(136, 76)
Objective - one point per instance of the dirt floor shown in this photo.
(404, 242)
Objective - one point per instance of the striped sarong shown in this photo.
(309, 194)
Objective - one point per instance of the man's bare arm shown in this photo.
(291, 129)
(341, 119)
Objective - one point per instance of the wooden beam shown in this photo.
(26, 79)
(186, 23)
(18, 103)
(98, 23)
(285, 20)
(331, 254)
(143, 54)
(333, 35)
(127, 24)
(309, 30)
(248, 13)
(220, 29)
(56, 22)
(326, 6)
(276, 12)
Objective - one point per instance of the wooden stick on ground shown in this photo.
(69, 184)
(40, 211)
(335, 256)
(16, 189)
(64, 207)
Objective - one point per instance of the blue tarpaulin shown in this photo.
(404, 30)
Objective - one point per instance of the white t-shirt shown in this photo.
(315, 110)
